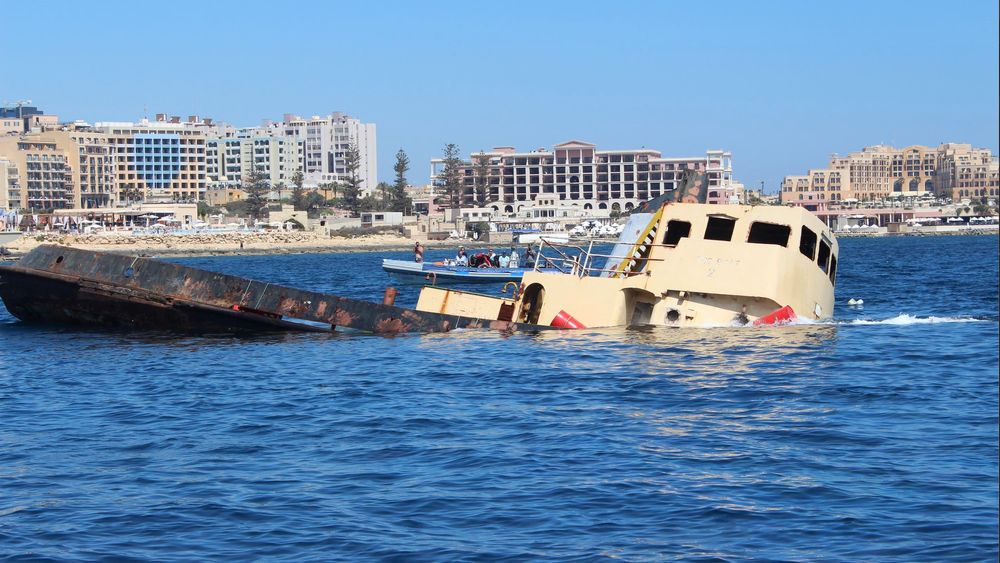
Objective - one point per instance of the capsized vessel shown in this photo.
(679, 264)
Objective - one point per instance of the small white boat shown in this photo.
(533, 237)
(432, 273)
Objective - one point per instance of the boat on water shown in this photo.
(63, 285)
(674, 264)
(533, 237)
(679, 264)
(433, 273)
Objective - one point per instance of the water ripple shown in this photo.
(872, 437)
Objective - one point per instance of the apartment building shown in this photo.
(10, 185)
(882, 171)
(90, 163)
(228, 161)
(965, 173)
(325, 141)
(577, 173)
(163, 160)
(42, 173)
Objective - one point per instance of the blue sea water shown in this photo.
(873, 437)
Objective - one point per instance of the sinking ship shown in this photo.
(684, 264)
(678, 262)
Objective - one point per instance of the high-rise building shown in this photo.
(325, 141)
(576, 173)
(160, 161)
(230, 160)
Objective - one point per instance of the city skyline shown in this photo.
(780, 85)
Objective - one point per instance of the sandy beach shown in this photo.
(213, 244)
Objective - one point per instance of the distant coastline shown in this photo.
(295, 242)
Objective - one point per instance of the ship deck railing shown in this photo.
(573, 259)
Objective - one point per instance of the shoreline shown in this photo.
(228, 244)
(271, 243)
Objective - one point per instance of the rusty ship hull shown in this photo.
(54, 284)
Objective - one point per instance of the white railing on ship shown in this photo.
(582, 263)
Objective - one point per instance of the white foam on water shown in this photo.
(905, 319)
(901, 319)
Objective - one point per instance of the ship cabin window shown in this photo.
(769, 233)
(833, 270)
(807, 243)
(720, 228)
(824, 256)
(676, 230)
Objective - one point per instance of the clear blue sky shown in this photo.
(780, 84)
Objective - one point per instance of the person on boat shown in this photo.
(461, 259)
(503, 260)
(493, 258)
(480, 260)
(418, 252)
(529, 257)
(515, 259)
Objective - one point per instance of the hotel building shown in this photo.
(324, 145)
(576, 173)
(90, 163)
(10, 185)
(42, 172)
(965, 173)
(160, 161)
(881, 171)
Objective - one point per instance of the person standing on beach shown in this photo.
(418, 252)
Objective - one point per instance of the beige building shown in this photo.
(42, 171)
(965, 173)
(221, 194)
(816, 189)
(90, 162)
(881, 171)
(576, 173)
(11, 126)
(10, 185)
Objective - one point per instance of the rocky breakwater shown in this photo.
(209, 243)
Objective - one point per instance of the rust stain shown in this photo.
(342, 318)
(390, 326)
(186, 298)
